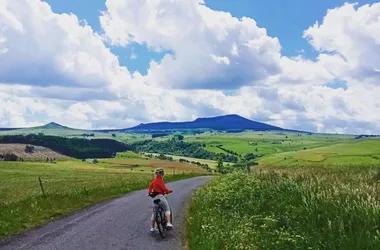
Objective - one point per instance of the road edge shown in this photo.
(185, 235)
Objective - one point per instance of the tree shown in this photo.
(219, 166)
(249, 157)
(180, 137)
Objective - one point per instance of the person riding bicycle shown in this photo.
(156, 190)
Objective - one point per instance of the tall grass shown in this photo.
(68, 186)
(289, 208)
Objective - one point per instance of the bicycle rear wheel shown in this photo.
(160, 222)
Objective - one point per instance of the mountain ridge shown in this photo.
(224, 122)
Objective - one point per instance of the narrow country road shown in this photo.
(123, 223)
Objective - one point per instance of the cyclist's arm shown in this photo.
(163, 187)
(150, 187)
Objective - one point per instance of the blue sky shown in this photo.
(219, 65)
(283, 19)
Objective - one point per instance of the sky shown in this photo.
(310, 65)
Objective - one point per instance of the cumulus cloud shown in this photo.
(41, 48)
(209, 49)
(349, 41)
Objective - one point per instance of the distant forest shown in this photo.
(178, 147)
(73, 147)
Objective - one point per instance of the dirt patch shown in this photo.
(38, 152)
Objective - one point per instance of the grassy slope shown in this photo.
(289, 208)
(70, 185)
(211, 163)
(364, 151)
(267, 142)
(151, 164)
(124, 137)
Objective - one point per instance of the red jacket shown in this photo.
(158, 186)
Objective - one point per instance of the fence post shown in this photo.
(41, 185)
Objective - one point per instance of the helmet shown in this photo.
(159, 171)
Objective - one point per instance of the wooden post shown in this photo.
(41, 185)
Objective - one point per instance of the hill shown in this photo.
(227, 122)
(53, 125)
(38, 152)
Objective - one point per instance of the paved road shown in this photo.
(123, 223)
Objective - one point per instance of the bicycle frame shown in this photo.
(160, 218)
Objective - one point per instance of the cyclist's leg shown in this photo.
(165, 205)
(153, 228)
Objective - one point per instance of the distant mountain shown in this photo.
(227, 122)
(53, 125)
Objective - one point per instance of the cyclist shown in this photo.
(156, 190)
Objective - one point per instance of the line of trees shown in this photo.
(227, 150)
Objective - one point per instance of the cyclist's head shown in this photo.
(159, 171)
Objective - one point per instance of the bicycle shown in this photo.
(160, 218)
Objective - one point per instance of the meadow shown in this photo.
(293, 207)
(265, 143)
(77, 133)
(363, 151)
(68, 186)
(212, 164)
(135, 162)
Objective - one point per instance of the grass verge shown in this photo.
(318, 207)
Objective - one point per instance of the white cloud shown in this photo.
(220, 59)
(210, 49)
(42, 48)
(72, 78)
(349, 40)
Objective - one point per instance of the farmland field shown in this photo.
(38, 152)
(266, 143)
(294, 207)
(138, 164)
(353, 152)
(68, 185)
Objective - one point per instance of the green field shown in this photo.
(295, 207)
(364, 151)
(266, 143)
(123, 137)
(68, 186)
